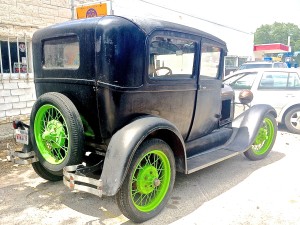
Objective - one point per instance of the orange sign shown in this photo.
(91, 10)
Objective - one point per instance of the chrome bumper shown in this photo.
(75, 181)
(22, 158)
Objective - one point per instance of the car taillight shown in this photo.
(15, 125)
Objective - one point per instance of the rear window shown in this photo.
(61, 53)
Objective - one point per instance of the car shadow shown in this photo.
(189, 193)
(282, 128)
(28, 191)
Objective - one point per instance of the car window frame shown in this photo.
(177, 35)
(259, 87)
(221, 59)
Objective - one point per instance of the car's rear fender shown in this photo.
(125, 142)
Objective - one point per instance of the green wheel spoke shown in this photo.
(147, 159)
(139, 200)
(156, 161)
(134, 192)
(56, 154)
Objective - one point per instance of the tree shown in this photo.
(278, 33)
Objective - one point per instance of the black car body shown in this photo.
(135, 81)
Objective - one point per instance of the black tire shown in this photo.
(56, 134)
(264, 140)
(44, 173)
(143, 179)
(292, 120)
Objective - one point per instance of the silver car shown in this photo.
(279, 87)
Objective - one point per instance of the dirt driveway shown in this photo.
(236, 191)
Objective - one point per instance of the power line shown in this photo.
(196, 17)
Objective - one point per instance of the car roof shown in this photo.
(145, 24)
(262, 62)
(260, 70)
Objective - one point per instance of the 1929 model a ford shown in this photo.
(125, 103)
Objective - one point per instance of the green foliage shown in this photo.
(278, 33)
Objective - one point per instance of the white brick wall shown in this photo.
(16, 99)
(19, 18)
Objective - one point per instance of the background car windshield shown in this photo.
(251, 66)
(241, 81)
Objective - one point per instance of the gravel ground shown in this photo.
(234, 192)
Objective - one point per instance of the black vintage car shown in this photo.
(125, 103)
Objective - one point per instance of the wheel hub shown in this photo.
(147, 179)
(54, 134)
(156, 182)
(261, 136)
(295, 120)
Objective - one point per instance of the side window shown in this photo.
(294, 81)
(210, 60)
(244, 81)
(61, 53)
(273, 80)
(171, 58)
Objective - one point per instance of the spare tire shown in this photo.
(56, 134)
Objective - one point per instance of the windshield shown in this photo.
(251, 66)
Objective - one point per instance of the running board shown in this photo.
(206, 159)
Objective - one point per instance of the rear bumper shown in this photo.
(76, 181)
(22, 158)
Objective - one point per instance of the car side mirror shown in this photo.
(246, 97)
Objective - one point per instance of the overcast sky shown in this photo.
(244, 15)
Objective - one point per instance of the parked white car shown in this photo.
(278, 87)
(262, 64)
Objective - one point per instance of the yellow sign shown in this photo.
(276, 59)
(91, 10)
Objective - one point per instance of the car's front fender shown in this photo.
(246, 126)
(124, 144)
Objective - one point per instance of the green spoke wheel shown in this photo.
(264, 139)
(149, 182)
(51, 133)
(56, 133)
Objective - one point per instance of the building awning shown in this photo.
(260, 50)
(271, 48)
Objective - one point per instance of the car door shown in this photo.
(208, 99)
(171, 84)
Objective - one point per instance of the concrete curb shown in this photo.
(6, 132)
